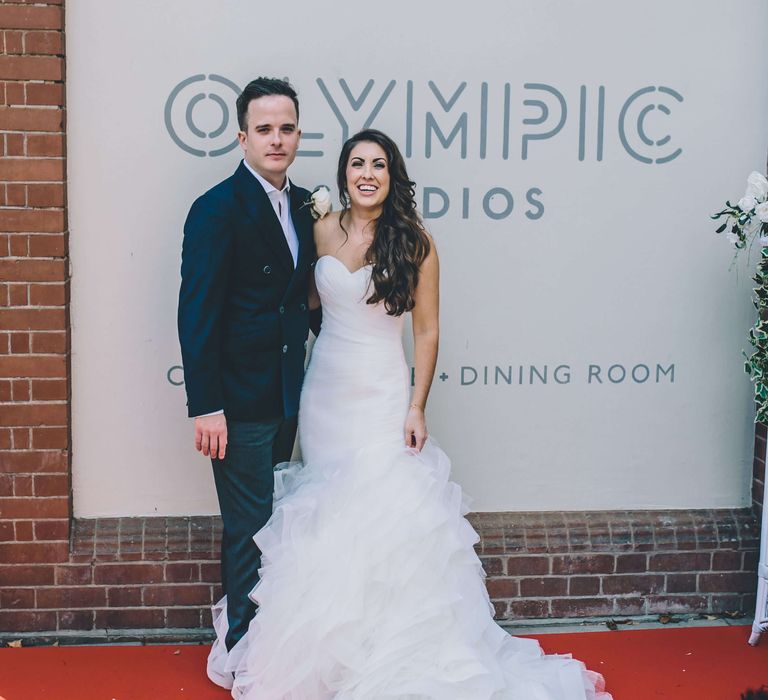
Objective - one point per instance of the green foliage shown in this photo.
(748, 224)
(756, 364)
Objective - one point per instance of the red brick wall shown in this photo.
(160, 573)
(34, 336)
(606, 563)
(59, 574)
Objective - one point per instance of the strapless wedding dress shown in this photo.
(370, 587)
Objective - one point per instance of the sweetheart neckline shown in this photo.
(338, 260)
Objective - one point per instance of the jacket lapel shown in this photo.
(258, 207)
(302, 223)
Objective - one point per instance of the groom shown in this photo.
(243, 321)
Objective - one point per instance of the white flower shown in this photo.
(764, 241)
(762, 212)
(321, 201)
(732, 237)
(747, 203)
(757, 186)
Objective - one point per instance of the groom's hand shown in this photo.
(211, 435)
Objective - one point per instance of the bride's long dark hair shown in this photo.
(400, 242)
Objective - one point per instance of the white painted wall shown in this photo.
(620, 268)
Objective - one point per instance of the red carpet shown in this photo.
(712, 663)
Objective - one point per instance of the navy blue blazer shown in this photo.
(243, 314)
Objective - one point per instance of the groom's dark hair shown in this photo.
(260, 88)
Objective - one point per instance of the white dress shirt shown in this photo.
(281, 203)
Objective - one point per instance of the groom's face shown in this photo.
(270, 143)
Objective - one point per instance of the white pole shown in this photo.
(761, 606)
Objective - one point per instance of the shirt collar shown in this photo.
(268, 187)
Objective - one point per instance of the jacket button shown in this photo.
(303, 307)
(306, 342)
(285, 349)
(267, 269)
(282, 309)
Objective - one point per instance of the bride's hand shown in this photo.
(415, 428)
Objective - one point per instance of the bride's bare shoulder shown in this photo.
(327, 231)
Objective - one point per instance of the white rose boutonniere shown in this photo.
(762, 212)
(320, 201)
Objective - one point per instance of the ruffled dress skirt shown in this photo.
(370, 588)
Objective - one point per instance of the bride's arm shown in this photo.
(426, 334)
(319, 234)
(313, 296)
(315, 309)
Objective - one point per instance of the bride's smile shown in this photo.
(368, 176)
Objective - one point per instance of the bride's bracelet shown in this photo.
(415, 405)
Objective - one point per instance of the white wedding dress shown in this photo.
(370, 588)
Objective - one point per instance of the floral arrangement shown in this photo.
(749, 215)
(746, 220)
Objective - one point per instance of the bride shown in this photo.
(370, 587)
